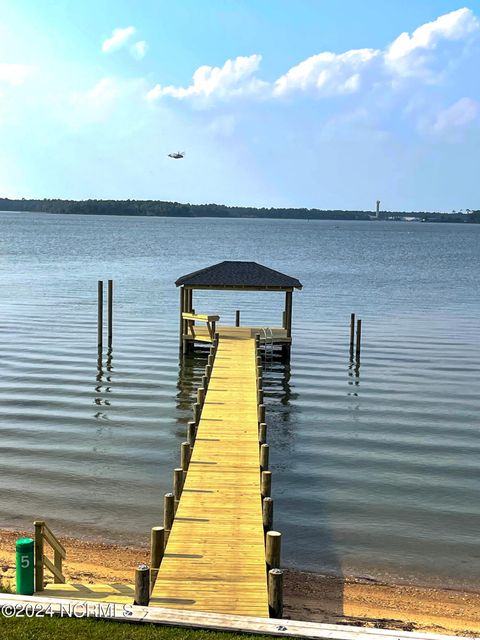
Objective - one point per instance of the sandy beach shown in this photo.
(308, 596)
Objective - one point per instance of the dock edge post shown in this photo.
(157, 548)
(273, 541)
(142, 585)
(275, 593)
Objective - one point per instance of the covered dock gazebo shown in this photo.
(231, 275)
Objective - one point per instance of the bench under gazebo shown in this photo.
(228, 276)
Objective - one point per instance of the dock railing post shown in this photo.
(142, 585)
(157, 548)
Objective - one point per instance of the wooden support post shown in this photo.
(191, 433)
(267, 514)
(142, 585)
(178, 479)
(197, 410)
(260, 396)
(39, 555)
(273, 541)
(182, 321)
(262, 433)
(257, 341)
(288, 313)
(352, 333)
(168, 512)
(200, 396)
(211, 358)
(110, 313)
(259, 373)
(100, 315)
(237, 318)
(261, 413)
(359, 340)
(264, 455)
(58, 561)
(284, 320)
(157, 548)
(208, 371)
(259, 383)
(205, 381)
(259, 361)
(185, 456)
(266, 484)
(275, 593)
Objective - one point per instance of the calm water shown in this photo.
(376, 471)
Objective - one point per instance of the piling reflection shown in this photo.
(103, 374)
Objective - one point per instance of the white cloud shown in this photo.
(457, 116)
(235, 78)
(14, 74)
(139, 49)
(408, 54)
(424, 55)
(118, 39)
(327, 73)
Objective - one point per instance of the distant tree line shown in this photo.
(177, 209)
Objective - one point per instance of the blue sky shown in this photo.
(312, 103)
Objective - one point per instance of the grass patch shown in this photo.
(88, 629)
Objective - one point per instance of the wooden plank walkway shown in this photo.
(215, 557)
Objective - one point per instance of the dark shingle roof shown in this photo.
(238, 274)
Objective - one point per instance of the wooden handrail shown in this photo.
(43, 534)
(201, 317)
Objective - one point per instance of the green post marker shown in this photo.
(25, 566)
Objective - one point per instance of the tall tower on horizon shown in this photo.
(378, 209)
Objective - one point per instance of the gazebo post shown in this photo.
(288, 313)
(182, 308)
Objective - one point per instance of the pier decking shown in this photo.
(215, 556)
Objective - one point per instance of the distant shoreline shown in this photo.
(160, 208)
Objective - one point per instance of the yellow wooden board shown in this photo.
(279, 334)
(215, 556)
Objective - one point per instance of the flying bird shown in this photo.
(177, 155)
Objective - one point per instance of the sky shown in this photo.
(328, 104)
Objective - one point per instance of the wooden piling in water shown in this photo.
(267, 513)
(178, 481)
(262, 433)
(205, 381)
(264, 455)
(200, 396)
(359, 340)
(185, 456)
(110, 313)
(259, 396)
(142, 585)
(208, 371)
(237, 318)
(191, 433)
(197, 410)
(273, 541)
(266, 484)
(100, 314)
(261, 413)
(275, 593)
(168, 512)
(157, 548)
(352, 333)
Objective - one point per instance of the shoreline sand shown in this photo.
(307, 596)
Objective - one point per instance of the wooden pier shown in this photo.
(215, 556)
(216, 551)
